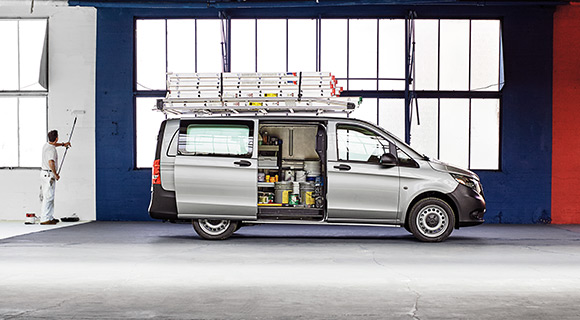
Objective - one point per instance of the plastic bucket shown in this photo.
(312, 168)
(300, 175)
(282, 190)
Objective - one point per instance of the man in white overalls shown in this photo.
(49, 176)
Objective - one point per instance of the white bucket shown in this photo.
(300, 176)
(312, 168)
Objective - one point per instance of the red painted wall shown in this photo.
(566, 116)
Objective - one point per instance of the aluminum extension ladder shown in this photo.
(259, 93)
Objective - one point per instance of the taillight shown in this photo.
(156, 170)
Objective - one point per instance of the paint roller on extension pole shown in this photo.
(69, 139)
(74, 217)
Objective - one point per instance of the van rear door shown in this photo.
(216, 169)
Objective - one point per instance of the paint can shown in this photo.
(306, 193)
(282, 191)
(261, 177)
(31, 218)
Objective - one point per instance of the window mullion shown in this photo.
(347, 53)
(287, 43)
(195, 37)
(18, 50)
(438, 88)
(377, 75)
(18, 126)
(469, 139)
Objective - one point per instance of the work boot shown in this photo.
(49, 222)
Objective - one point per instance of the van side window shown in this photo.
(216, 139)
(405, 160)
(360, 144)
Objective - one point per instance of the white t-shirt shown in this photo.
(49, 153)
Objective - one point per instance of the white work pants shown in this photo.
(48, 185)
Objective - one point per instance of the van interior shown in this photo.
(291, 171)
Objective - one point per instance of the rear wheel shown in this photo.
(431, 220)
(238, 227)
(211, 229)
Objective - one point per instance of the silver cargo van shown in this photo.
(223, 173)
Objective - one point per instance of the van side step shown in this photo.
(290, 213)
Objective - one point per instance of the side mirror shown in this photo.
(388, 160)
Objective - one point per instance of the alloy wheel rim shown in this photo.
(432, 221)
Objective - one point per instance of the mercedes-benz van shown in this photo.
(223, 173)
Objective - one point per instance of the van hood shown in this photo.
(445, 167)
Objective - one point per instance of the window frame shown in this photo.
(19, 93)
(470, 93)
(341, 125)
(182, 136)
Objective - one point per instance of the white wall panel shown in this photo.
(72, 45)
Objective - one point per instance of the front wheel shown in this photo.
(431, 220)
(214, 229)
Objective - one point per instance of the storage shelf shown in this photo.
(268, 147)
(266, 184)
(268, 168)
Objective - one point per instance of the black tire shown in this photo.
(211, 229)
(431, 220)
(240, 225)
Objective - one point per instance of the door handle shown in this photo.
(345, 167)
(243, 163)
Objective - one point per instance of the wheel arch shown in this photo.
(433, 194)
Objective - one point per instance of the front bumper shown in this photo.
(470, 206)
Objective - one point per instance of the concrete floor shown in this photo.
(120, 270)
(12, 228)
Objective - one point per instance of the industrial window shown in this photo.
(176, 46)
(148, 122)
(23, 91)
(460, 131)
(456, 61)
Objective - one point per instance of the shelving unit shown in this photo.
(268, 147)
(265, 184)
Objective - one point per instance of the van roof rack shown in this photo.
(255, 93)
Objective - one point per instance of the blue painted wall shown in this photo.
(519, 193)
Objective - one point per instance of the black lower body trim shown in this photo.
(290, 213)
(163, 205)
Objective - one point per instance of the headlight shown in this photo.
(468, 182)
